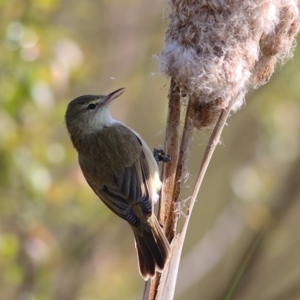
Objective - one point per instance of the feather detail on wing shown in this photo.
(130, 187)
(120, 187)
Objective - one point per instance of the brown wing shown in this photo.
(118, 173)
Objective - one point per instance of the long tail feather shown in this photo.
(152, 246)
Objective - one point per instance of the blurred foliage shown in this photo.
(57, 241)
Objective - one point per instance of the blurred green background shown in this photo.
(57, 240)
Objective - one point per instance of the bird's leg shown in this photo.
(160, 155)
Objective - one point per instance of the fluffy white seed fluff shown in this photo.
(218, 49)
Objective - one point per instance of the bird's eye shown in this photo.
(91, 106)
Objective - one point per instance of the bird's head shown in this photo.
(89, 113)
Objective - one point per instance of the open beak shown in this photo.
(114, 95)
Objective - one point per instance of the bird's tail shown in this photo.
(153, 248)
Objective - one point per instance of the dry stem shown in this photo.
(210, 148)
(167, 288)
(171, 148)
(173, 174)
(186, 141)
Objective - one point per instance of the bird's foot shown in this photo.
(160, 155)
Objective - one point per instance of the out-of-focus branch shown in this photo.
(282, 198)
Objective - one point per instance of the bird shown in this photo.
(121, 170)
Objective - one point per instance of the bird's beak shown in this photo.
(114, 95)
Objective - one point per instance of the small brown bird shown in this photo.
(120, 168)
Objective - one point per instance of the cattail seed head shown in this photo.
(218, 49)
